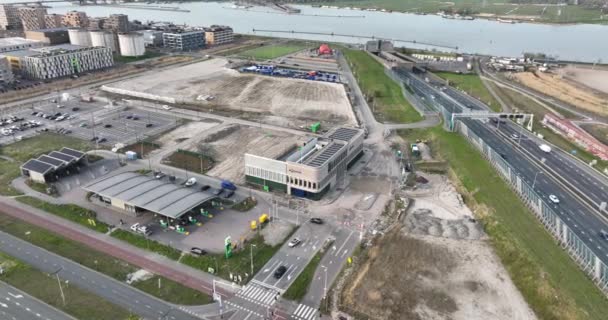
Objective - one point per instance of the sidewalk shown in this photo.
(150, 261)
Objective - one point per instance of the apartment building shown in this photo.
(16, 44)
(51, 36)
(32, 18)
(184, 41)
(6, 74)
(9, 17)
(63, 60)
(76, 19)
(216, 35)
(117, 23)
(53, 20)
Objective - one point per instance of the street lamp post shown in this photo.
(325, 285)
(534, 181)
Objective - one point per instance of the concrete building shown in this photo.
(376, 46)
(16, 44)
(104, 39)
(96, 24)
(311, 169)
(152, 38)
(9, 17)
(184, 41)
(117, 23)
(76, 19)
(80, 37)
(216, 35)
(61, 61)
(53, 20)
(32, 18)
(49, 36)
(131, 44)
(135, 194)
(6, 74)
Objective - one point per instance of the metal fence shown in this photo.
(578, 250)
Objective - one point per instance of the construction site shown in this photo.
(212, 86)
(429, 242)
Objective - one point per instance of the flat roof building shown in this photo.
(51, 36)
(76, 19)
(217, 35)
(184, 41)
(138, 193)
(311, 169)
(117, 22)
(60, 61)
(53, 20)
(16, 44)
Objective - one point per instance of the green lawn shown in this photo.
(472, 85)
(71, 212)
(384, 95)
(550, 281)
(271, 51)
(239, 263)
(79, 303)
(145, 243)
(297, 290)
(86, 256)
(28, 148)
(553, 14)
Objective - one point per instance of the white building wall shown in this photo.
(65, 64)
(131, 45)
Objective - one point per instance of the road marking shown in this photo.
(343, 244)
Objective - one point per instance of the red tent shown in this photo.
(324, 49)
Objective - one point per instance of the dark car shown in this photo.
(205, 187)
(34, 113)
(148, 125)
(102, 140)
(228, 194)
(280, 272)
(129, 117)
(217, 192)
(316, 220)
(107, 125)
(75, 109)
(198, 251)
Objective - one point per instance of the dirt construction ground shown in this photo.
(592, 78)
(269, 96)
(565, 90)
(435, 263)
(227, 145)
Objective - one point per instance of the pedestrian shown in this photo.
(121, 222)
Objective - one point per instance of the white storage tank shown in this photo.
(103, 39)
(131, 44)
(79, 37)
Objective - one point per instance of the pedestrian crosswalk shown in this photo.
(259, 295)
(304, 312)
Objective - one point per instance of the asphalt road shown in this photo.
(112, 290)
(17, 305)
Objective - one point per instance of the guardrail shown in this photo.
(578, 250)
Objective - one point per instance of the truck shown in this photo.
(228, 185)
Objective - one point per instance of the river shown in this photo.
(584, 42)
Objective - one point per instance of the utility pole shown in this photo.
(251, 256)
(60, 288)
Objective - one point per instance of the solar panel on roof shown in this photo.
(52, 161)
(344, 134)
(37, 166)
(327, 153)
(62, 156)
(72, 152)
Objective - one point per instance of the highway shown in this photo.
(17, 305)
(108, 288)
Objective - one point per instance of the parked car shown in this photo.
(148, 125)
(190, 182)
(198, 251)
(75, 109)
(166, 107)
(280, 272)
(205, 187)
(316, 220)
(217, 192)
(102, 140)
(294, 242)
(228, 194)
(604, 234)
(134, 227)
(107, 125)
(144, 230)
(159, 175)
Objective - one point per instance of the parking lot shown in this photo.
(95, 121)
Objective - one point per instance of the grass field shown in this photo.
(553, 14)
(598, 131)
(271, 51)
(71, 212)
(527, 105)
(549, 280)
(145, 243)
(147, 55)
(384, 95)
(23, 150)
(96, 260)
(79, 303)
(473, 86)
